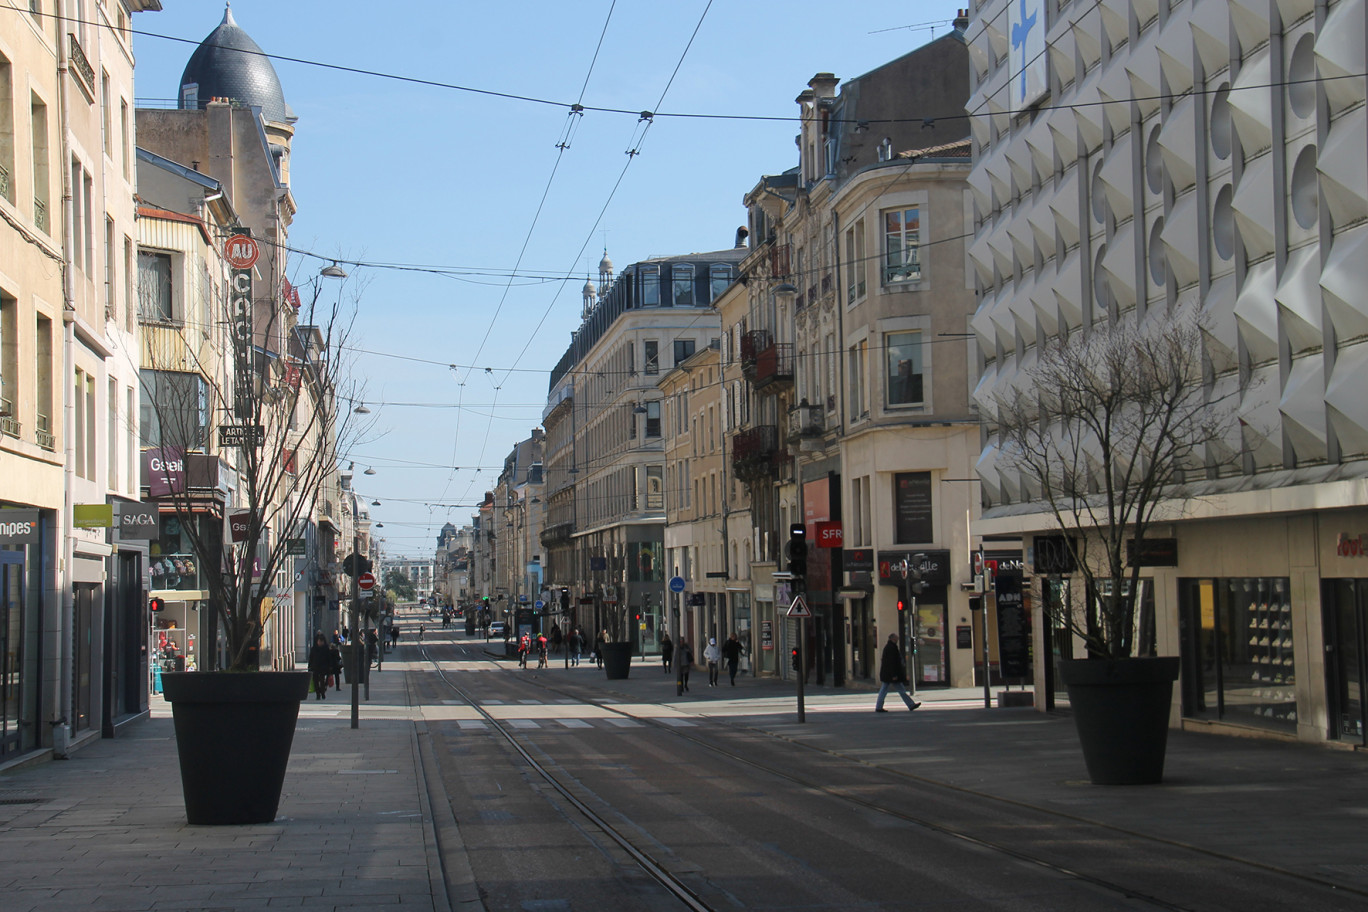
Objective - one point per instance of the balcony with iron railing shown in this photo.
(4, 182)
(46, 439)
(40, 214)
(774, 365)
(9, 422)
(756, 453)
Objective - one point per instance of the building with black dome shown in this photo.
(230, 65)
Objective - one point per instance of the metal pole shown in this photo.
(987, 676)
(355, 623)
(802, 667)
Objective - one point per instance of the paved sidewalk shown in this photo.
(106, 829)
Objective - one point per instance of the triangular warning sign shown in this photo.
(799, 608)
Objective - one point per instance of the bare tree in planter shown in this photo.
(1118, 417)
(265, 412)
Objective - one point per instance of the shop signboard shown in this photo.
(829, 534)
(1054, 554)
(19, 527)
(767, 636)
(296, 547)
(1014, 628)
(857, 560)
(92, 516)
(1153, 552)
(912, 510)
(164, 471)
(136, 521)
(935, 566)
(239, 525)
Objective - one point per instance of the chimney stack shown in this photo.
(962, 19)
(741, 234)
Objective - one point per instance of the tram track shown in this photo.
(660, 872)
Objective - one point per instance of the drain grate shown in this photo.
(21, 800)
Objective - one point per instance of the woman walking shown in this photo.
(320, 665)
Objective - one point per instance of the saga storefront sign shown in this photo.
(19, 527)
(136, 521)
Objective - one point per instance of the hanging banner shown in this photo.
(164, 471)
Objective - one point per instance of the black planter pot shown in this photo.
(1121, 709)
(233, 735)
(617, 660)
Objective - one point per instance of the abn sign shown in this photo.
(366, 581)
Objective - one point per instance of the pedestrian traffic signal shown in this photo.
(902, 606)
(797, 550)
(156, 604)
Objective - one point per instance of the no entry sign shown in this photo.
(366, 581)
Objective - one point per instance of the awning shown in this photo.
(851, 595)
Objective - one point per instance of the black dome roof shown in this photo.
(229, 64)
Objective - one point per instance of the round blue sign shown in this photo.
(676, 584)
(540, 604)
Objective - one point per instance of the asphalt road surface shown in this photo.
(561, 799)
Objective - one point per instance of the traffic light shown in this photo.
(914, 574)
(156, 604)
(794, 659)
(797, 550)
(354, 565)
(902, 606)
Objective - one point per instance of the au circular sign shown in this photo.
(241, 251)
(366, 581)
(676, 584)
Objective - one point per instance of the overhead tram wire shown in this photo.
(642, 128)
(698, 115)
(573, 116)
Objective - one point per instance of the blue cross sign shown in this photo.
(1027, 56)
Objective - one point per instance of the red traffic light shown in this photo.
(902, 606)
(156, 604)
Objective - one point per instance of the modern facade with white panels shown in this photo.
(1149, 159)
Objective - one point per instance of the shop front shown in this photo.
(924, 619)
(24, 536)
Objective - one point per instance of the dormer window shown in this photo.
(886, 150)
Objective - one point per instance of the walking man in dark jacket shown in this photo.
(893, 673)
(731, 654)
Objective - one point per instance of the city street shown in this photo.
(473, 784)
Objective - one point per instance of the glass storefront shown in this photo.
(1237, 639)
(1345, 606)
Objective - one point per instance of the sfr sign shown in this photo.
(829, 534)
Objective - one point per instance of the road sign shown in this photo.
(241, 435)
(241, 251)
(539, 605)
(799, 608)
(366, 582)
(676, 584)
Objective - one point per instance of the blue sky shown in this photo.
(391, 172)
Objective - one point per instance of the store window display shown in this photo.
(173, 562)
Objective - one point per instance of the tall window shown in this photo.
(902, 241)
(655, 487)
(683, 349)
(855, 263)
(682, 279)
(43, 426)
(859, 405)
(9, 364)
(904, 361)
(174, 409)
(719, 277)
(112, 435)
(111, 262)
(653, 418)
(124, 141)
(155, 300)
(650, 286)
(652, 356)
(84, 415)
(38, 120)
(6, 130)
(106, 133)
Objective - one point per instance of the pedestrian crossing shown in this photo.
(554, 715)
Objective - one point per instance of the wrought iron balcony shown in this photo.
(9, 424)
(40, 215)
(756, 453)
(774, 365)
(46, 439)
